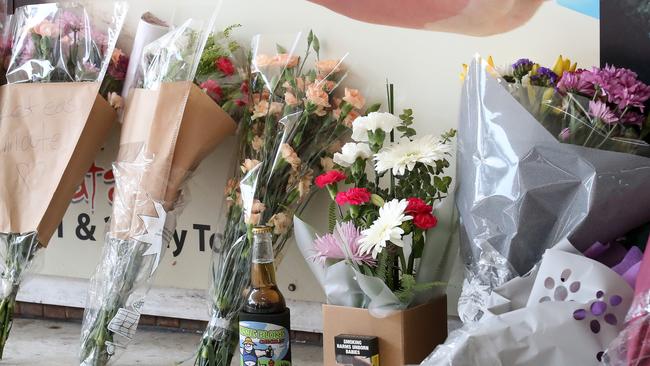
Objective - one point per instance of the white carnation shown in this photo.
(372, 122)
(351, 152)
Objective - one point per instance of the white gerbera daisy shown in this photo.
(373, 122)
(351, 152)
(385, 229)
(404, 154)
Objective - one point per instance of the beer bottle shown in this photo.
(264, 323)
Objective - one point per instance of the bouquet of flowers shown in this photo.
(543, 176)
(296, 118)
(603, 108)
(170, 126)
(574, 138)
(111, 88)
(381, 231)
(54, 122)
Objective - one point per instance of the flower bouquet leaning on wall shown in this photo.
(53, 124)
(578, 123)
(550, 166)
(297, 115)
(170, 126)
(380, 251)
(379, 222)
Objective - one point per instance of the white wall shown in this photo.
(423, 65)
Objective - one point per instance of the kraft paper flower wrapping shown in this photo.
(522, 191)
(52, 124)
(170, 125)
(565, 312)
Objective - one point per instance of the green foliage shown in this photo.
(407, 122)
(314, 42)
(373, 108)
(410, 288)
(218, 45)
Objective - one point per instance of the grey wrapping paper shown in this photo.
(521, 190)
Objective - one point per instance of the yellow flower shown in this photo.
(463, 73)
(563, 65)
(491, 69)
(490, 61)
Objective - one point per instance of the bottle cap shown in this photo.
(262, 230)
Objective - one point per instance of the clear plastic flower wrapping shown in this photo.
(266, 188)
(64, 42)
(150, 191)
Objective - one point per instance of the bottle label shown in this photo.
(264, 344)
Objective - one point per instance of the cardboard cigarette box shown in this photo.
(406, 337)
(356, 350)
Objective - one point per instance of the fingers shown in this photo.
(474, 17)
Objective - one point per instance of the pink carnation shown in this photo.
(331, 177)
(353, 196)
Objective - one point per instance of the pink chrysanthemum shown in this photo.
(573, 82)
(621, 86)
(343, 243)
(602, 112)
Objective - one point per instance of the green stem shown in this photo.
(6, 318)
(609, 134)
(402, 258)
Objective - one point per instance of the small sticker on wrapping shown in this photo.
(154, 234)
(124, 323)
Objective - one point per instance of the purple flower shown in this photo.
(70, 22)
(621, 86)
(601, 111)
(343, 243)
(544, 77)
(565, 134)
(521, 68)
(633, 118)
(573, 82)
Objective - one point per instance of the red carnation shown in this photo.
(425, 221)
(417, 207)
(225, 65)
(353, 196)
(331, 177)
(213, 89)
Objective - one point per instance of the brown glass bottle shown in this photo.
(265, 322)
(263, 296)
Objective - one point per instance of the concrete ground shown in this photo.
(41, 342)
